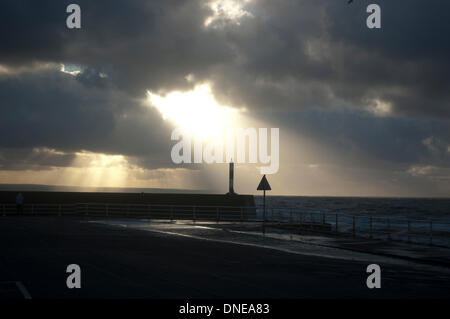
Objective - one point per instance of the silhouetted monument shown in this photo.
(231, 180)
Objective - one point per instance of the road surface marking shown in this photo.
(23, 290)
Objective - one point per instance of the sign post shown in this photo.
(264, 186)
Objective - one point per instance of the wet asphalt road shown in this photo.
(126, 263)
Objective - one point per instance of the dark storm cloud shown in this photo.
(357, 139)
(142, 44)
(288, 55)
(320, 53)
(39, 159)
(55, 110)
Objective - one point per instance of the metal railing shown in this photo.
(400, 228)
(430, 231)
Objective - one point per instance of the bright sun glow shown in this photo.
(227, 10)
(195, 111)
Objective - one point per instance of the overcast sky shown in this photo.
(361, 112)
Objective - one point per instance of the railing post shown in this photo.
(290, 216)
(4, 210)
(193, 214)
(128, 210)
(323, 219)
(149, 211)
(431, 232)
(32, 209)
(354, 226)
(264, 227)
(87, 209)
(59, 210)
(370, 227)
(217, 215)
(389, 229)
(242, 214)
(107, 209)
(337, 223)
(409, 231)
(171, 213)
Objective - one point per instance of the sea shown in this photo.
(362, 206)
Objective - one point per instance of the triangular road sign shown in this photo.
(264, 185)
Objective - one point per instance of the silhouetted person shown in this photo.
(19, 203)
